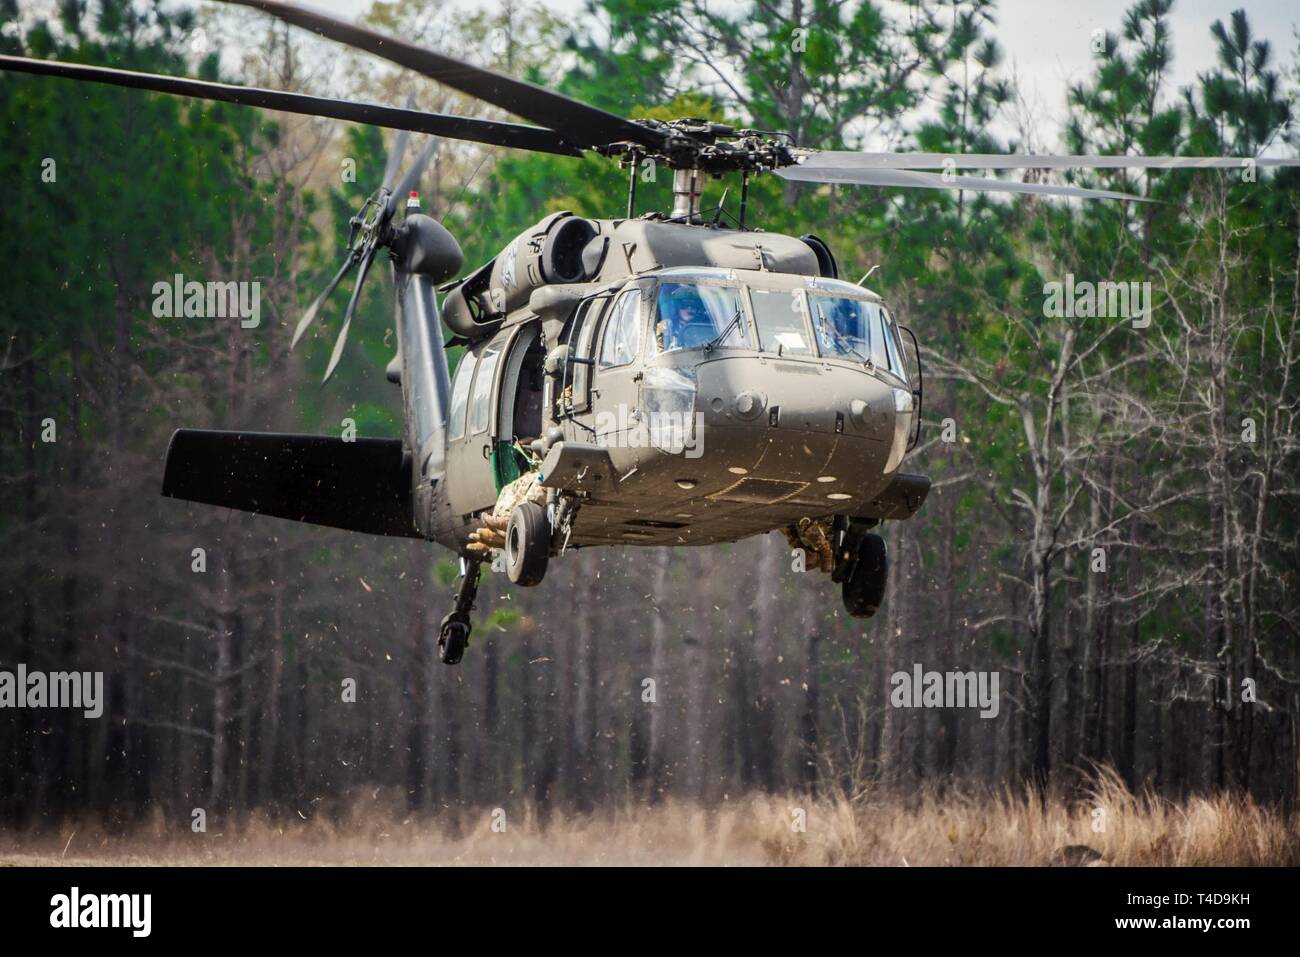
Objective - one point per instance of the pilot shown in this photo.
(684, 322)
(842, 325)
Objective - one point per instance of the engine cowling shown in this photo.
(547, 253)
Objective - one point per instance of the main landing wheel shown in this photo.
(528, 544)
(864, 589)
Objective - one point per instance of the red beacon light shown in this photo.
(413, 202)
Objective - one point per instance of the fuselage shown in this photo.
(712, 439)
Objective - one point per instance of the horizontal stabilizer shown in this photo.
(361, 485)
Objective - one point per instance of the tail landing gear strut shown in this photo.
(453, 635)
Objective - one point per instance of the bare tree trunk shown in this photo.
(666, 691)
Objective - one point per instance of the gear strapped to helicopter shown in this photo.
(646, 380)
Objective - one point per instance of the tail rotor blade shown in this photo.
(395, 157)
(309, 316)
(366, 259)
(412, 177)
(400, 143)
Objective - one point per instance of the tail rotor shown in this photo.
(371, 230)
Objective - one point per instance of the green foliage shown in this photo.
(148, 186)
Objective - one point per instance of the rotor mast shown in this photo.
(688, 187)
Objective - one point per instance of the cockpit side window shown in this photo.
(779, 317)
(622, 339)
(849, 328)
(460, 395)
(892, 344)
(581, 339)
(693, 315)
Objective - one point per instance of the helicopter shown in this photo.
(652, 379)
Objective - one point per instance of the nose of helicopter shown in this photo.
(823, 426)
(799, 396)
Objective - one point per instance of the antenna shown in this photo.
(717, 216)
(631, 186)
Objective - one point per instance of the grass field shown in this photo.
(872, 829)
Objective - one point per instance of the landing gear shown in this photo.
(453, 638)
(453, 634)
(864, 589)
(862, 568)
(528, 544)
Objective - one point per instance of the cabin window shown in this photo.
(622, 331)
(460, 395)
(692, 315)
(849, 329)
(481, 405)
(779, 317)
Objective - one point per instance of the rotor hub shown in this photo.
(708, 147)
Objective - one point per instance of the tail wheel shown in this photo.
(453, 638)
(528, 544)
(864, 589)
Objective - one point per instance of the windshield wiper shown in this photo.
(713, 343)
(842, 338)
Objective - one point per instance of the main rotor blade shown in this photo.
(493, 132)
(848, 159)
(366, 259)
(914, 179)
(309, 316)
(578, 122)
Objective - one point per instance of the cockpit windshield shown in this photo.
(857, 329)
(693, 315)
(849, 328)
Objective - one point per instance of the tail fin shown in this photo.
(362, 485)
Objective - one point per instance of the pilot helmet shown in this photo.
(688, 297)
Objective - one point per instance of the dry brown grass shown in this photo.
(869, 829)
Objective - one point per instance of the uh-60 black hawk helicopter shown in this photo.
(657, 379)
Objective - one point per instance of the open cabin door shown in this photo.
(519, 403)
